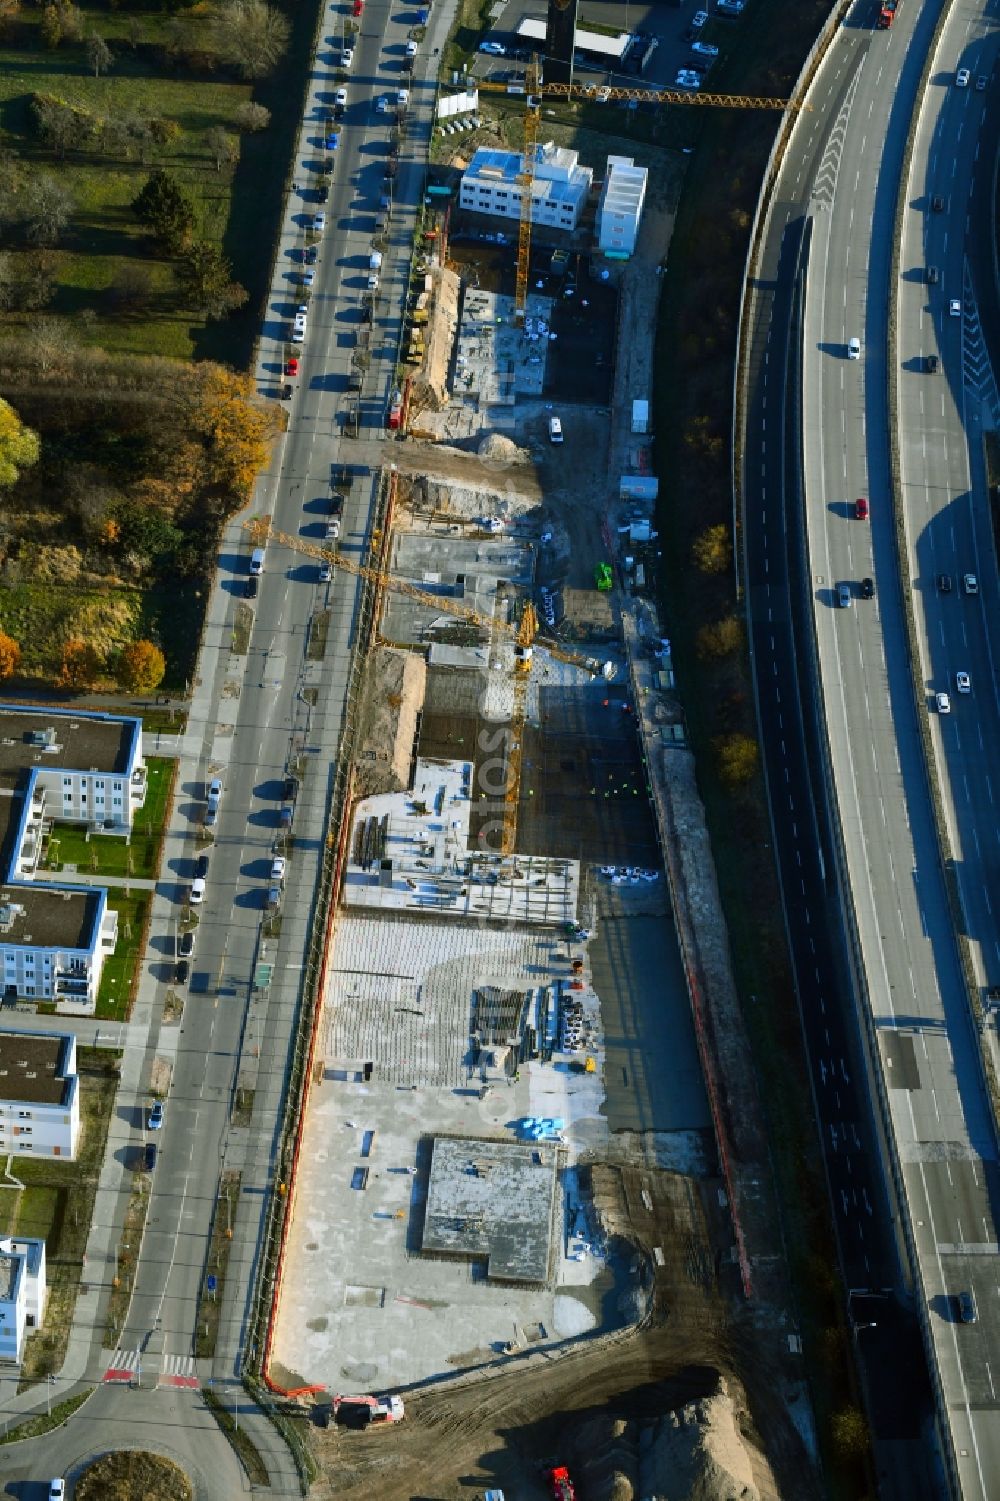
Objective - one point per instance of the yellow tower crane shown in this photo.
(534, 91)
(524, 634)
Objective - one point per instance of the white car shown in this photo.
(197, 891)
(214, 792)
(298, 333)
(555, 430)
(308, 277)
(340, 99)
(970, 583)
(963, 682)
(699, 19)
(57, 1490)
(411, 49)
(962, 78)
(705, 49)
(319, 223)
(402, 98)
(955, 307)
(373, 281)
(381, 104)
(942, 703)
(495, 49)
(602, 96)
(325, 573)
(278, 868)
(854, 349)
(687, 78)
(347, 57)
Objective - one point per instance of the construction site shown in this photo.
(532, 1198)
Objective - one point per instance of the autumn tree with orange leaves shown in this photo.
(81, 664)
(140, 667)
(10, 655)
(236, 428)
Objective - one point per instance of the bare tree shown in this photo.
(251, 116)
(11, 188)
(48, 207)
(220, 144)
(131, 288)
(251, 36)
(8, 281)
(98, 54)
(51, 342)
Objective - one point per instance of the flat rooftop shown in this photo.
(8, 1275)
(80, 742)
(49, 917)
(462, 571)
(412, 852)
(585, 41)
(493, 1199)
(33, 1068)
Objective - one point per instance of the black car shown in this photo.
(201, 869)
(967, 1310)
(181, 971)
(867, 588)
(186, 946)
(290, 788)
(937, 203)
(149, 1157)
(309, 255)
(251, 586)
(944, 583)
(930, 363)
(933, 276)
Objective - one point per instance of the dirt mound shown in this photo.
(133, 1475)
(697, 1453)
(497, 446)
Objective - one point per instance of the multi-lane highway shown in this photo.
(830, 239)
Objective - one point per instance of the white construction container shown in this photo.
(640, 416)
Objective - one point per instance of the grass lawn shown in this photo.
(237, 207)
(57, 1203)
(114, 999)
(105, 855)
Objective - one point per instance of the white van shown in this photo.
(257, 562)
(555, 430)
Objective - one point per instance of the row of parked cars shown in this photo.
(703, 54)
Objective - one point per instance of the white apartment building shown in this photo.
(53, 943)
(22, 1292)
(619, 211)
(60, 766)
(39, 1095)
(559, 190)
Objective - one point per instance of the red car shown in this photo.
(861, 509)
(292, 368)
(358, 7)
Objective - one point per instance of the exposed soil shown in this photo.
(133, 1475)
(594, 1406)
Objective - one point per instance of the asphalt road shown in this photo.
(254, 716)
(929, 1057)
(779, 595)
(828, 250)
